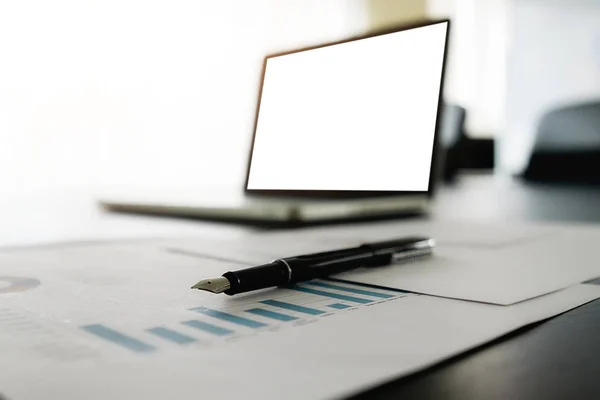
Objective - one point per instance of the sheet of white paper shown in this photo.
(118, 321)
(498, 264)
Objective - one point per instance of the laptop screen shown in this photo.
(352, 116)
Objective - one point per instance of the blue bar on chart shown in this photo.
(118, 338)
(229, 317)
(350, 290)
(330, 294)
(339, 306)
(271, 314)
(293, 307)
(171, 335)
(208, 328)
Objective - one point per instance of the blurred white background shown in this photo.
(152, 93)
(163, 93)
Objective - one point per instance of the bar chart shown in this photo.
(291, 306)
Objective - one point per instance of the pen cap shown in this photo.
(319, 265)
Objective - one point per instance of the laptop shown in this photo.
(343, 131)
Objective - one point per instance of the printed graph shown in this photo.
(13, 284)
(291, 306)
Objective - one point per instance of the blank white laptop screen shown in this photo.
(353, 116)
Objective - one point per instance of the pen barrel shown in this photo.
(316, 266)
(399, 246)
(329, 263)
(292, 270)
(255, 278)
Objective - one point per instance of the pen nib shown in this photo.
(214, 285)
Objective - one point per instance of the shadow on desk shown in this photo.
(292, 224)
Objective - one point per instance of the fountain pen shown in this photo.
(290, 270)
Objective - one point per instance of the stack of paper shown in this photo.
(118, 320)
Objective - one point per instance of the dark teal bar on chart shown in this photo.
(339, 306)
(118, 338)
(332, 295)
(229, 317)
(350, 290)
(271, 314)
(293, 307)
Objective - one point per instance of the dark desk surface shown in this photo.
(482, 197)
(556, 359)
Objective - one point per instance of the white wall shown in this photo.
(476, 67)
(554, 60)
(115, 92)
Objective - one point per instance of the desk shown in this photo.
(553, 360)
(558, 359)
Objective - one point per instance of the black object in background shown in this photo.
(458, 151)
(567, 146)
(451, 137)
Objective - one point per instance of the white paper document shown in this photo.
(120, 321)
(498, 264)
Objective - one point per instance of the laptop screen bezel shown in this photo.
(347, 194)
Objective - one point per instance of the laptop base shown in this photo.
(273, 212)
